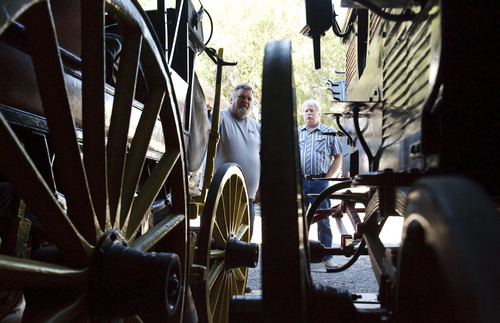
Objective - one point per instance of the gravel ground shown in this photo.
(359, 278)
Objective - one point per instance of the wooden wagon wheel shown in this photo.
(97, 264)
(448, 260)
(284, 227)
(224, 249)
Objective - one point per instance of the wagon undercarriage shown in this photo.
(94, 203)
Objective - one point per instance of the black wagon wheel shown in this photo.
(448, 259)
(328, 194)
(284, 227)
(224, 250)
(324, 195)
(111, 157)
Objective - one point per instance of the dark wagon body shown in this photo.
(432, 81)
(419, 128)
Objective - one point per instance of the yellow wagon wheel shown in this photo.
(111, 156)
(224, 247)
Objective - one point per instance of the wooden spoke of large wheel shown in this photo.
(107, 192)
(284, 245)
(224, 246)
(448, 261)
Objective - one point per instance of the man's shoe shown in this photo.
(248, 290)
(329, 264)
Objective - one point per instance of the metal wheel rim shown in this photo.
(284, 226)
(442, 233)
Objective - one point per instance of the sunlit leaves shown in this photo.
(243, 28)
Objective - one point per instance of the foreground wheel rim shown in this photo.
(447, 259)
(103, 184)
(284, 227)
(225, 223)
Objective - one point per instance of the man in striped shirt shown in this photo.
(316, 152)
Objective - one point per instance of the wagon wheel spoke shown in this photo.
(34, 190)
(214, 275)
(216, 292)
(224, 211)
(150, 190)
(225, 223)
(93, 99)
(120, 118)
(31, 274)
(217, 254)
(219, 237)
(138, 149)
(225, 299)
(154, 235)
(239, 212)
(242, 230)
(230, 212)
(62, 132)
(240, 274)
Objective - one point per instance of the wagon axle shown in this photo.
(241, 254)
(125, 281)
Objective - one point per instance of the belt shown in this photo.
(308, 176)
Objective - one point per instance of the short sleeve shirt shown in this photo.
(240, 143)
(316, 149)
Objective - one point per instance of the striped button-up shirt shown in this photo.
(316, 150)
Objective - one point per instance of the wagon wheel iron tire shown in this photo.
(223, 246)
(448, 260)
(284, 227)
(103, 253)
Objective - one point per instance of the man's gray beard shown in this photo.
(242, 112)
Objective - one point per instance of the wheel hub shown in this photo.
(241, 254)
(125, 281)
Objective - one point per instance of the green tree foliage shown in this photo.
(243, 28)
